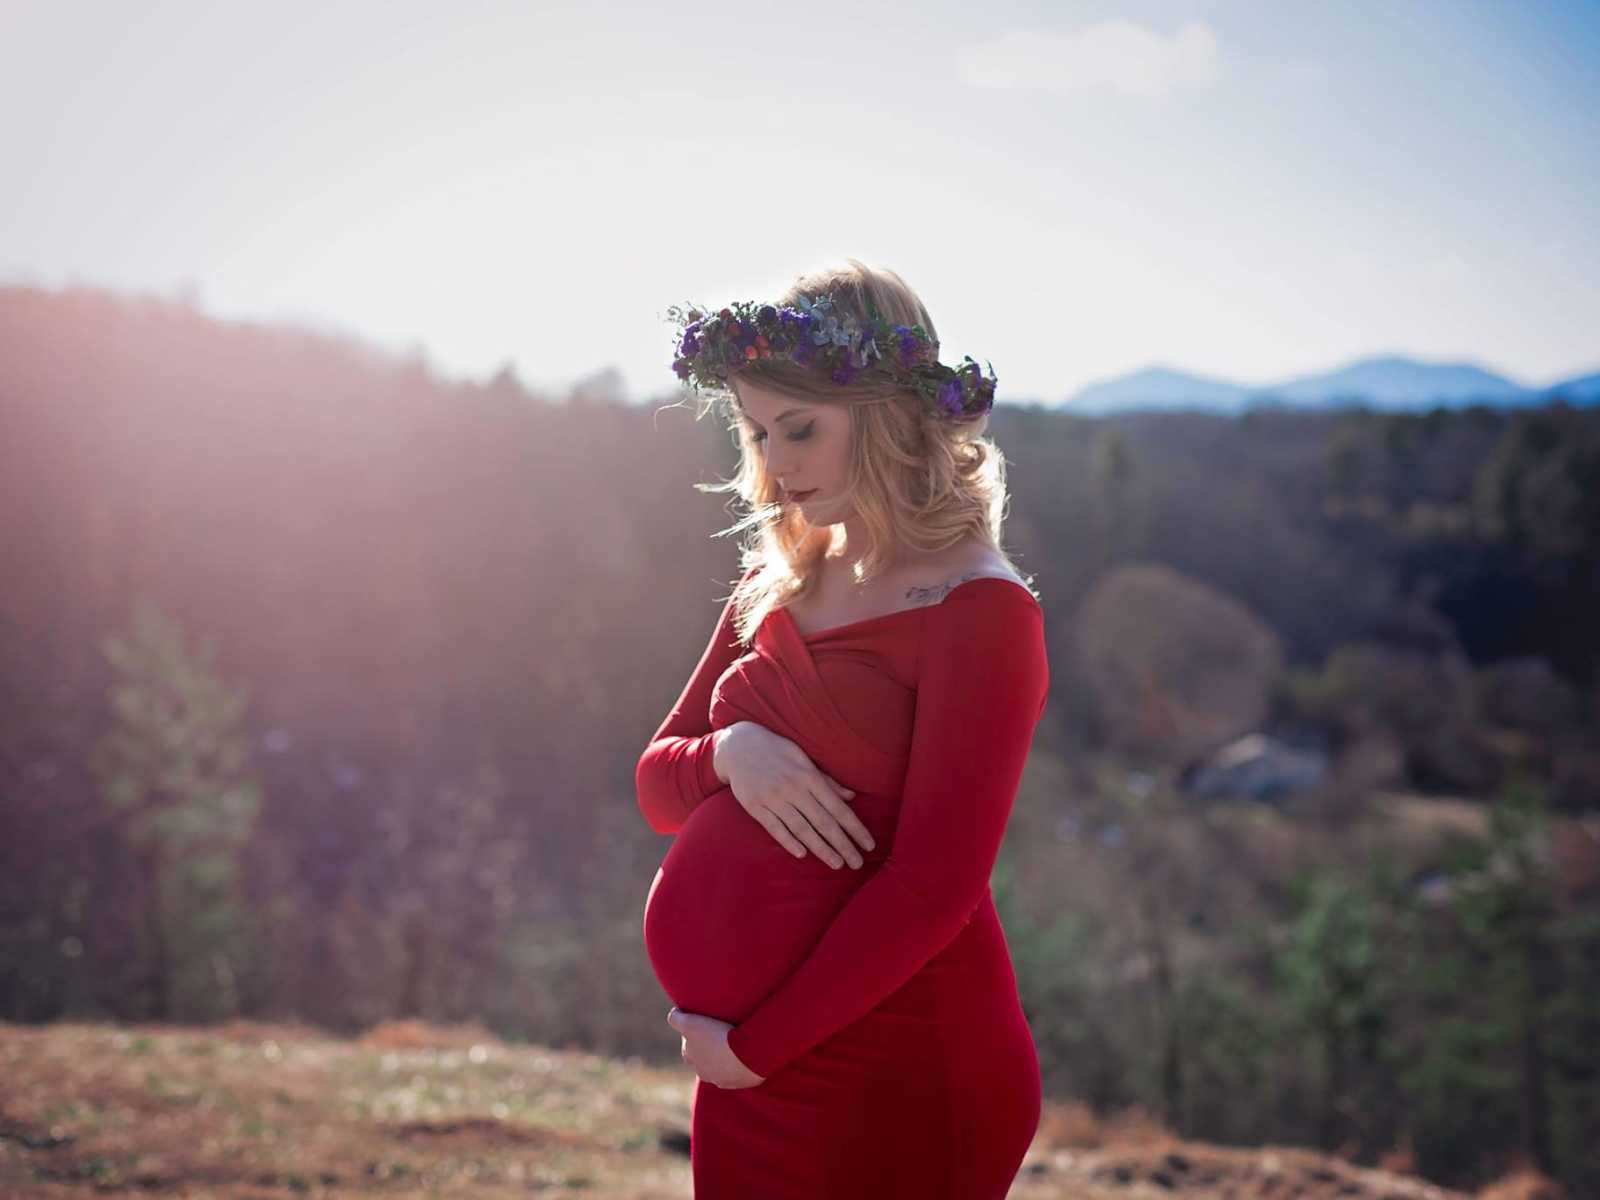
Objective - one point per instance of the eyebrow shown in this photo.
(784, 415)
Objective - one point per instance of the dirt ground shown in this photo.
(252, 1110)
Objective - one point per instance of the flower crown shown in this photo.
(817, 335)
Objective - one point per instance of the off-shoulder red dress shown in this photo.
(880, 1004)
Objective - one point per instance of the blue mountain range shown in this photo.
(1392, 383)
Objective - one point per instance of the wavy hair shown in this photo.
(919, 483)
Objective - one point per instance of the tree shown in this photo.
(1113, 469)
(1507, 905)
(178, 793)
(1334, 978)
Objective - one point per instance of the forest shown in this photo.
(323, 678)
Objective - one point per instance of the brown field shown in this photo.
(253, 1110)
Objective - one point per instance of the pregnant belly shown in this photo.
(731, 913)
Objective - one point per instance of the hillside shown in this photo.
(1309, 817)
(247, 1109)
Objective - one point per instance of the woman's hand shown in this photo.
(798, 803)
(705, 1048)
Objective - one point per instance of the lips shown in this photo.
(796, 497)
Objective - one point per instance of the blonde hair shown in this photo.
(917, 481)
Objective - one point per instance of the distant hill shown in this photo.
(1390, 382)
(1159, 387)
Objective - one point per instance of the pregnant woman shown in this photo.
(841, 765)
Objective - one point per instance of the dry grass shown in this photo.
(256, 1110)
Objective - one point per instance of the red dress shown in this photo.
(880, 1004)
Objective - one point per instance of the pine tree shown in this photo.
(178, 790)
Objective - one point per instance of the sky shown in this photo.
(1248, 189)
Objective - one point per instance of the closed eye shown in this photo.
(799, 435)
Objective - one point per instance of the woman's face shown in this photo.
(806, 449)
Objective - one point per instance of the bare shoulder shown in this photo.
(933, 582)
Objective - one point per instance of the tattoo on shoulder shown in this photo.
(936, 593)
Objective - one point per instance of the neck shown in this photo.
(849, 541)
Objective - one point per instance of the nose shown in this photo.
(777, 463)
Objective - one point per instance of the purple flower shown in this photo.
(910, 349)
(766, 313)
(691, 344)
(950, 396)
(843, 373)
(804, 352)
(681, 368)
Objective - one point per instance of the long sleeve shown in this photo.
(675, 772)
(982, 682)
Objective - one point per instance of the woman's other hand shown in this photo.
(797, 802)
(705, 1048)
